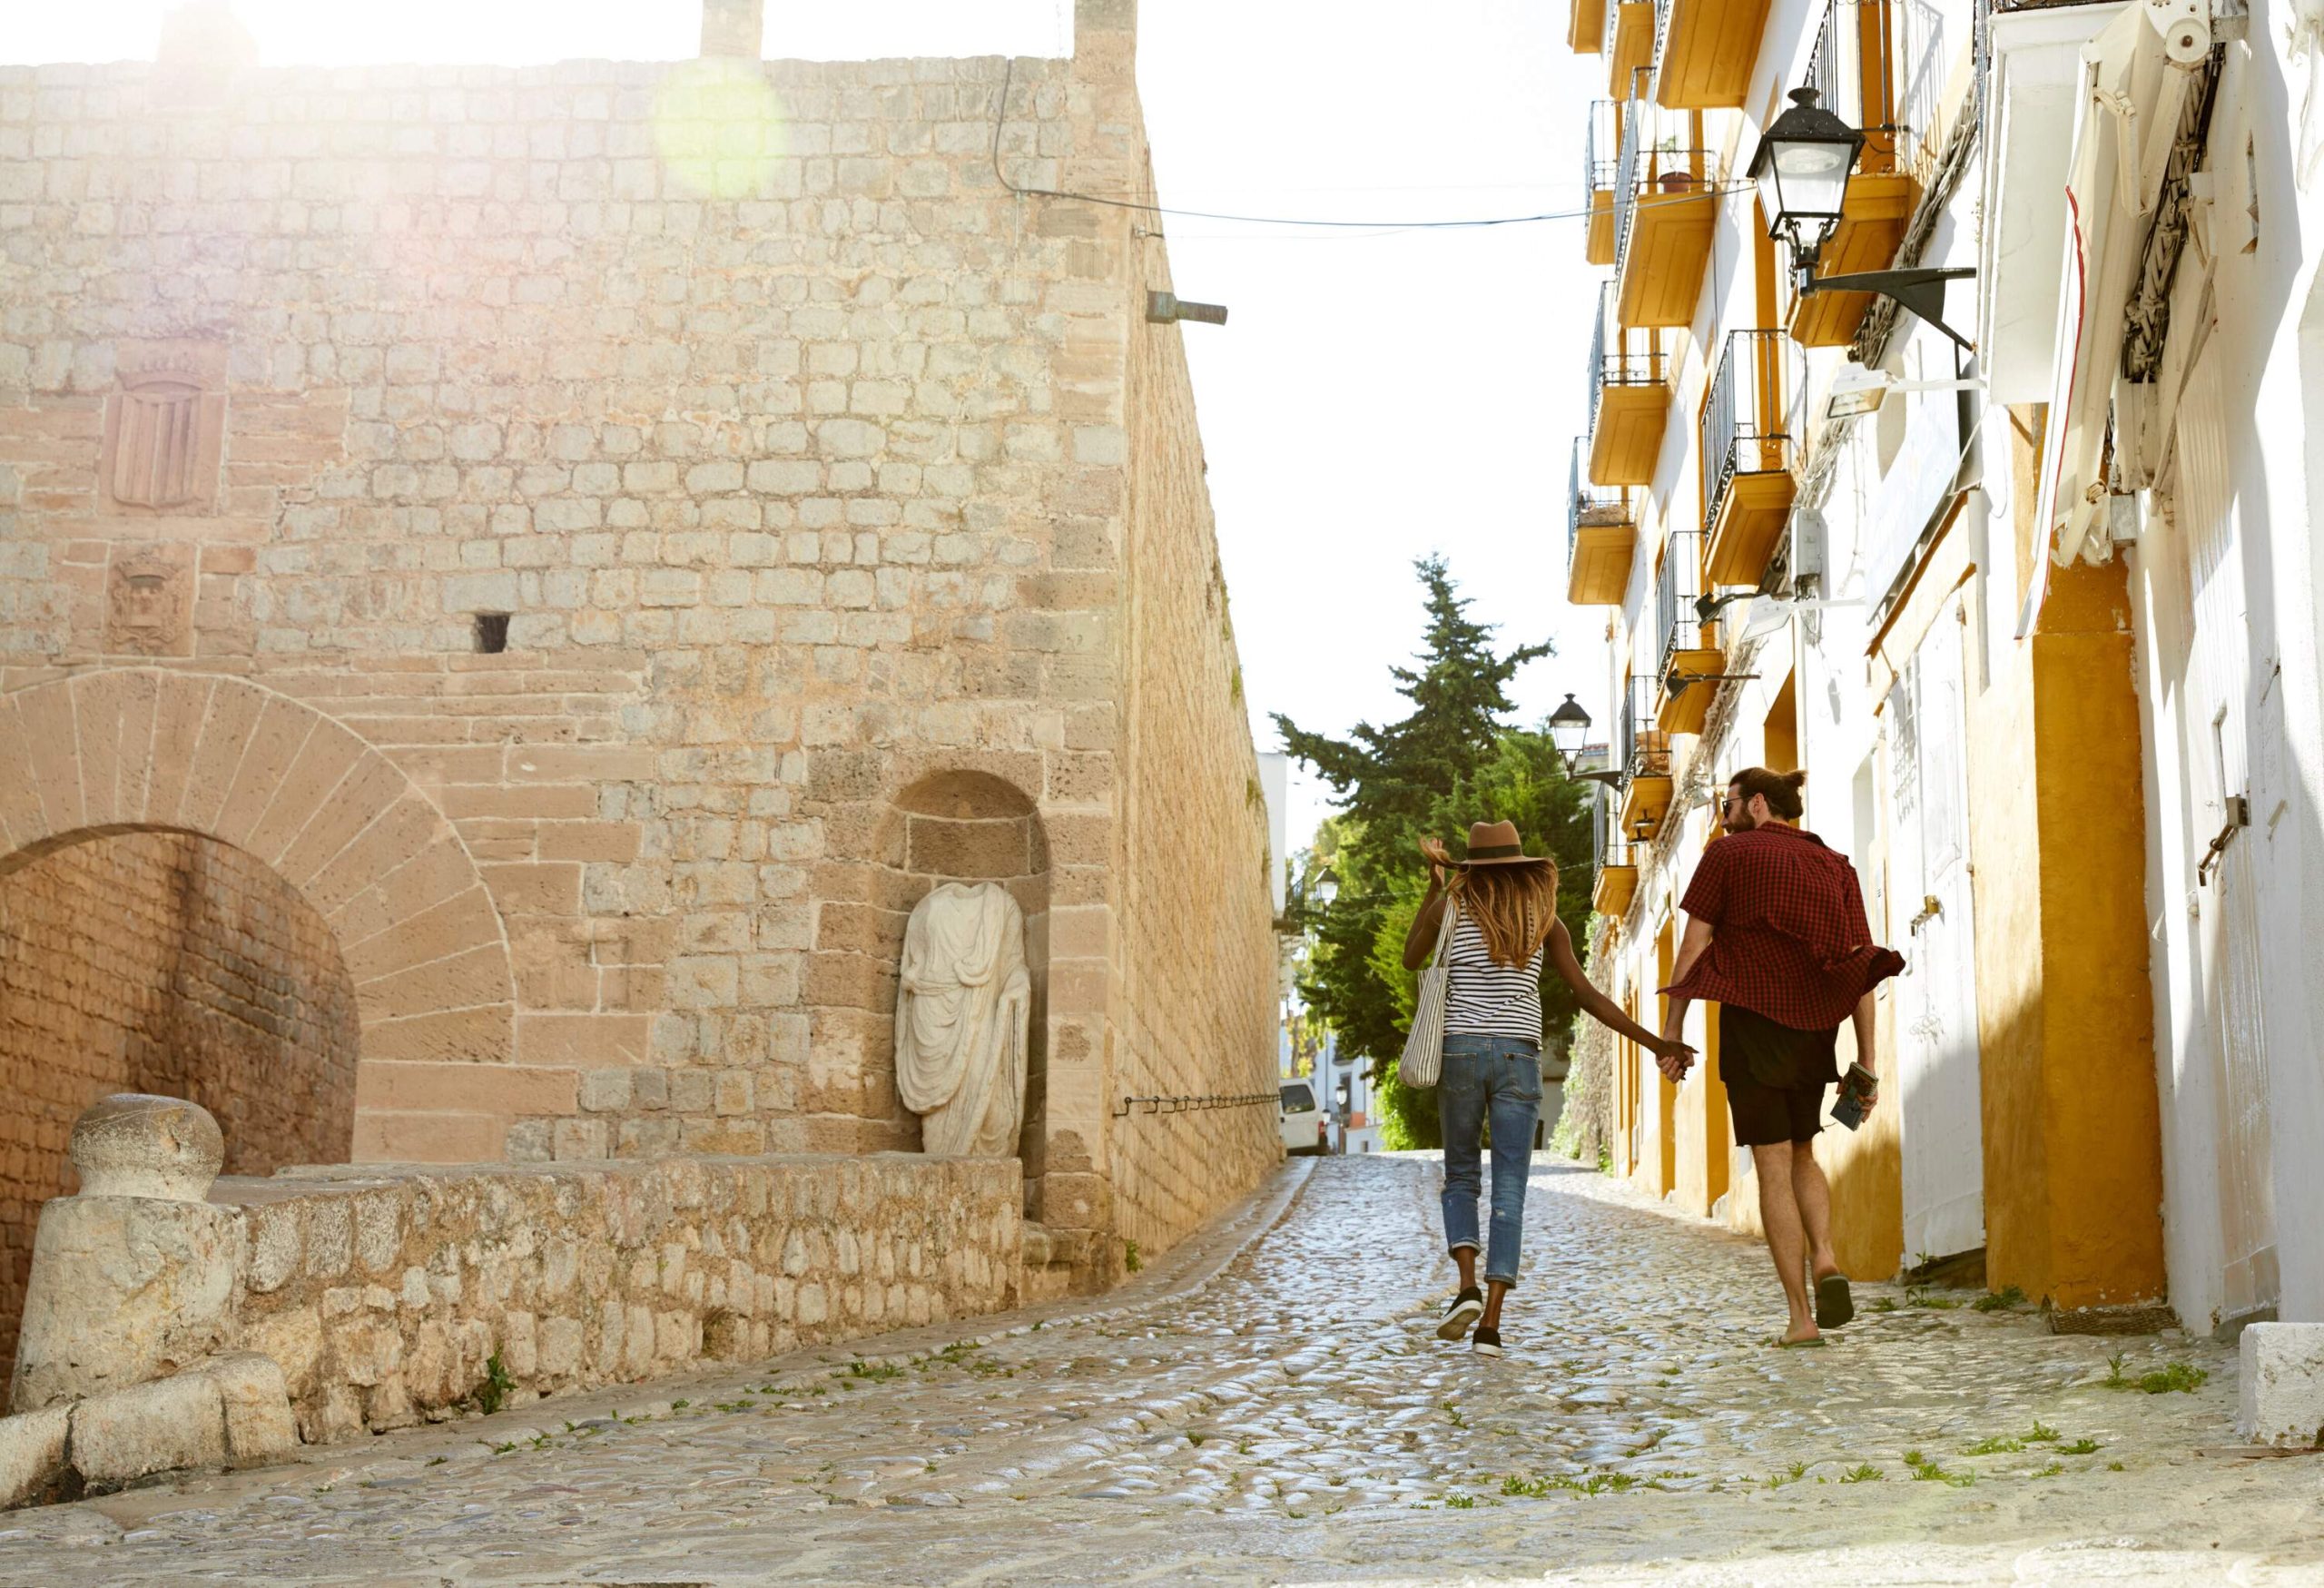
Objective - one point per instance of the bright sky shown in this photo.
(1374, 395)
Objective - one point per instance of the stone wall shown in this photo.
(385, 1294)
(1198, 951)
(654, 477)
(162, 962)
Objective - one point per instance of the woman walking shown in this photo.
(1505, 921)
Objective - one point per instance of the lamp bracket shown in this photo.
(1921, 291)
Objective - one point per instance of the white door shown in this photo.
(1941, 1123)
(2215, 714)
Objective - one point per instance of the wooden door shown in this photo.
(2215, 716)
(1941, 1120)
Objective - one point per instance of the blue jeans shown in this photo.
(1498, 1078)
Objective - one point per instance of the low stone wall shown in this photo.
(386, 1293)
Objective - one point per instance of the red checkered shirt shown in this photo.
(1788, 936)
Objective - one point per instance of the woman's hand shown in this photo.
(1440, 860)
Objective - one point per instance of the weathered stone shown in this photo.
(130, 1434)
(257, 1408)
(33, 1453)
(135, 1145)
(123, 1289)
(2280, 1384)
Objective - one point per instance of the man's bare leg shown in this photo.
(1494, 1290)
(1786, 1238)
(1466, 1259)
(1813, 1192)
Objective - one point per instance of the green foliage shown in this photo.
(2177, 1377)
(1130, 1258)
(494, 1391)
(1998, 1446)
(1862, 1472)
(2001, 1300)
(1453, 760)
(2080, 1447)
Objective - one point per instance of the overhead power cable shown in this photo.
(999, 116)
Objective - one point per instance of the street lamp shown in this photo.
(1569, 729)
(1802, 170)
(1328, 887)
(1568, 726)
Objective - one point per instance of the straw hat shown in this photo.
(1496, 843)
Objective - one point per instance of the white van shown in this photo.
(1305, 1129)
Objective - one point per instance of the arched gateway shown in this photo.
(146, 750)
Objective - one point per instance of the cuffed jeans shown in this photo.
(1500, 1079)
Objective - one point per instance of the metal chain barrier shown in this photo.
(1197, 1103)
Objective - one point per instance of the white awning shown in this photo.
(2136, 75)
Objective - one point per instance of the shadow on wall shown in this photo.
(162, 961)
(974, 827)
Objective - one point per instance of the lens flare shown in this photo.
(720, 130)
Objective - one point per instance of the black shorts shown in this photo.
(1765, 1116)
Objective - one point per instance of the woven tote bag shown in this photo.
(1425, 1049)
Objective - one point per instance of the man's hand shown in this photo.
(1673, 1056)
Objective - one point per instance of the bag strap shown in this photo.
(1444, 929)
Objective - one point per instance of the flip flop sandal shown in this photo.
(1780, 1343)
(1834, 1305)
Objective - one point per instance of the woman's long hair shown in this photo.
(1514, 906)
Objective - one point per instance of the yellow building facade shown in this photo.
(1817, 539)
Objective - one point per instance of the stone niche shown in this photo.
(968, 827)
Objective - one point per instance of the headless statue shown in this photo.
(964, 1005)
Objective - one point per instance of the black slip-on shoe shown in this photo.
(1460, 1312)
(1834, 1305)
(1486, 1342)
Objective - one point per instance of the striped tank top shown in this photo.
(1485, 998)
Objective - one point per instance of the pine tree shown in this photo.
(1452, 760)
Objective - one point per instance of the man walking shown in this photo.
(1776, 932)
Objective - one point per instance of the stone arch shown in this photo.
(149, 750)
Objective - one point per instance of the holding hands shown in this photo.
(1672, 1055)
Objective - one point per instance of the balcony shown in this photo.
(1643, 752)
(1666, 210)
(1601, 539)
(1704, 51)
(1615, 883)
(1585, 25)
(1691, 647)
(1601, 154)
(1749, 445)
(1629, 401)
(1874, 64)
(1627, 45)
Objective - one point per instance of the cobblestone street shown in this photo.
(1270, 1405)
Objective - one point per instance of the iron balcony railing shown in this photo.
(1612, 362)
(1750, 419)
(1677, 586)
(1607, 842)
(1588, 506)
(1653, 163)
(1644, 749)
(1880, 66)
(1602, 145)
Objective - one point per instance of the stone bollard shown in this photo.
(2280, 1386)
(133, 1278)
